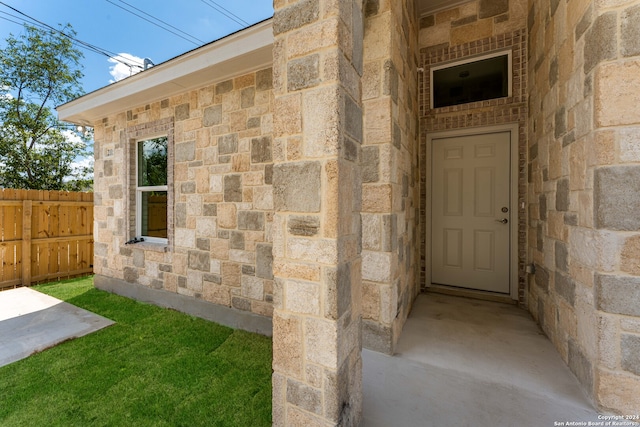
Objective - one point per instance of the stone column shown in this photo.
(317, 378)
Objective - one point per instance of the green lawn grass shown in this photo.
(153, 367)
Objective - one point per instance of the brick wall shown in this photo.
(220, 194)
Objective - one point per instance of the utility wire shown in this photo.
(78, 42)
(158, 19)
(154, 23)
(212, 4)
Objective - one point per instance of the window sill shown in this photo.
(150, 246)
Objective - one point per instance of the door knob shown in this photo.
(503, 220)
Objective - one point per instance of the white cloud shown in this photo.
(5, 92)
(121, 71)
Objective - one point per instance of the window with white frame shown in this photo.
(151, 189)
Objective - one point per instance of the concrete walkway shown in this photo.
(31, 321)
(464, 362)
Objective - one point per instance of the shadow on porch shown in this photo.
(465, 362)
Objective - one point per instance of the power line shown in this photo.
(159, 20)
(215, 6)
(78, 42)
(154, 23)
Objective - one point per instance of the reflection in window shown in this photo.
(474, 80)
(151, 199)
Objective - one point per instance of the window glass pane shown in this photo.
(152, 162)
(153, 219)
(471, 82)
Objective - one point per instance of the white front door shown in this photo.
(471, 212)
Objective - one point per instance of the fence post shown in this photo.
(26, 242)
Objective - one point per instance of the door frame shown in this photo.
(513, 129)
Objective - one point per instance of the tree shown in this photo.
(39, 70)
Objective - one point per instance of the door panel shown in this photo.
(471, 188)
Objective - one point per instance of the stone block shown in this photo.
(630, 346)
(233, 188)
(288, 345)
(130, 274)
(377, 337)
(182, 112)
(618, 294)
(303, 225)
(261, 150)
(295, 16)
(236, 240)
(304, 396)
(303, 73)
(228, 144)
(389, 233)
(323, 251)
(250, 220)
(224, 87)
(353, 118)
(264, 79)
(376, 198)
(321, 121)
(115, 192)
(188, 187)
(376, 266)
(296, 186)
(471, 32)
(630, 256)
(565, 287)
(542, 278)
(227, 215)
(601, 41)
(302, 297)
(580, 365)
(630, 31)
(185, 152)
(489, 8)
(248, 97)
(617, 87)
(203, 244)
(199, 260)
(369, 163)
(264, 261)
(620, 391)
(338, 289)
(617, 197)
(252, 287)
(371, 231)
(241, 303)
(321, 342)
(562, 256)
(210, 209)
(185, 238)
(212, 116)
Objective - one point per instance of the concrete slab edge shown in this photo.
(226, 316)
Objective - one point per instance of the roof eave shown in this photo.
(245, 51)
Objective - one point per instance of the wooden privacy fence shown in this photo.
(44, 235)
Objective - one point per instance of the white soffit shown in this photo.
(248, 50)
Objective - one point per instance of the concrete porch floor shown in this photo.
(465, 362)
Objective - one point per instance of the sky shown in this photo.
(104, 23)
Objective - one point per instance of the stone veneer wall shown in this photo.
(475, 28)
(317, 319)
(584, 190)
(390, 234)
(220, 194)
